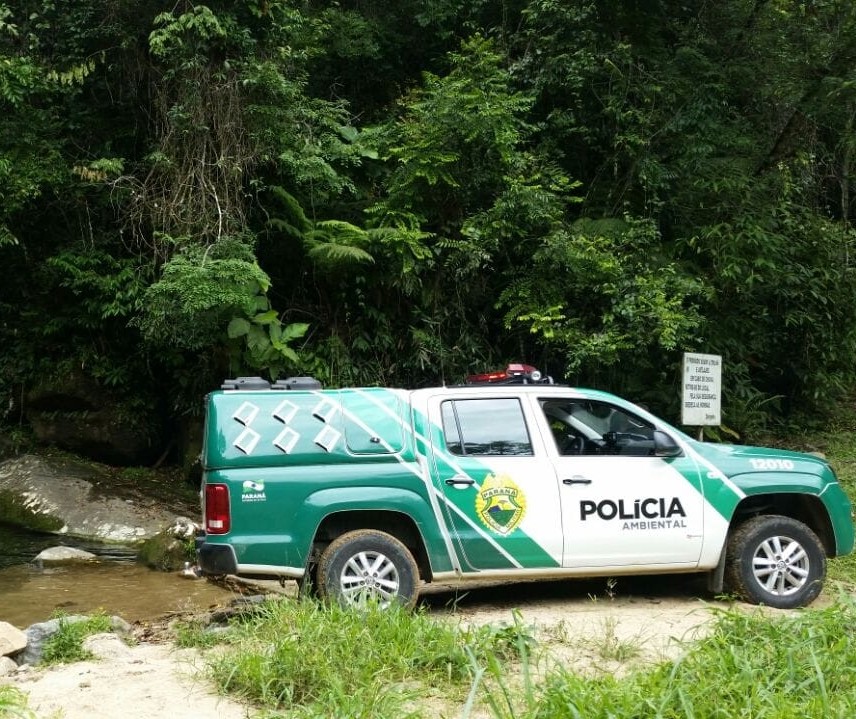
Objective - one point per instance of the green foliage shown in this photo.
(104, 286)
(188, 33)
(232, 102)
(216, 297)
(781, 288)
(94, 294)
(457, 138)
(66, 644)
(599, 294)
(435, 187)
(334, 242)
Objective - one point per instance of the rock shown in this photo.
(68, 497)
(183, 528)
(7, 666)
(121, 626)
(169, 550)
(75, 413)
(164, 553)
(12, 639)
(38, 634)
(106, 646)
(190, 571)
(64, 555)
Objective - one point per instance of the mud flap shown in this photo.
(716, 576)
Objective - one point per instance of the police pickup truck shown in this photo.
(367, 494)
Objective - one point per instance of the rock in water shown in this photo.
(64, 555)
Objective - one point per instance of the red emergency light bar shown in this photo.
(513, 374)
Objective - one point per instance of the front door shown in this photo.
(622, 506)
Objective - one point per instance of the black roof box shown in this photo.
(297, 383)
(245, 383)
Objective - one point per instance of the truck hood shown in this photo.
(734, 459)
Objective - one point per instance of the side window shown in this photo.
(485, 428)
(589, 427)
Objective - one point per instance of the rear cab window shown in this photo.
(489, 427)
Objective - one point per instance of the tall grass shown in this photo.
(753, 666)
(305, 660)
(320, 660)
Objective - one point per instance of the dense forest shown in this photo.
(400, 193)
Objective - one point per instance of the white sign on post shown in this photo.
(702, 390)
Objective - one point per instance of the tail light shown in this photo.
(217, 518)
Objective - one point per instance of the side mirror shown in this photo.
(665, 446)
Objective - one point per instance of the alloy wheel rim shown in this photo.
(781, 565)
(369, 577)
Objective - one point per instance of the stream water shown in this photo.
(116, 583)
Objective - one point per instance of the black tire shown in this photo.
(368, 566)
(307, 585)
(776, 561)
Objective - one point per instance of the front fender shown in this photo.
(828, 491)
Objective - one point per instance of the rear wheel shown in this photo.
(365, 567)
(307, 585)
(777, 561)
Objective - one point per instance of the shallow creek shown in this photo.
(115, 583)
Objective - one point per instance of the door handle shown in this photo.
(576, 479)
(460, 481)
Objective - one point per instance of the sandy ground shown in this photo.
(155, 681)
(586, 627)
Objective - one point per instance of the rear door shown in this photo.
(497, 484)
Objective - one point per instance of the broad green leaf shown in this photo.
(238, 327)
(266, 318)
(294, 331)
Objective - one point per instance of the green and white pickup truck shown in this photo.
(366, 494)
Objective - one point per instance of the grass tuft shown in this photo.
(66, 645)
(13, 703)
(611, 647)
(196, 633)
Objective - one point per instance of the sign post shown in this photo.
(701, 403)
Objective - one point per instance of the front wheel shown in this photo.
(777, 561)
(368, 567)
